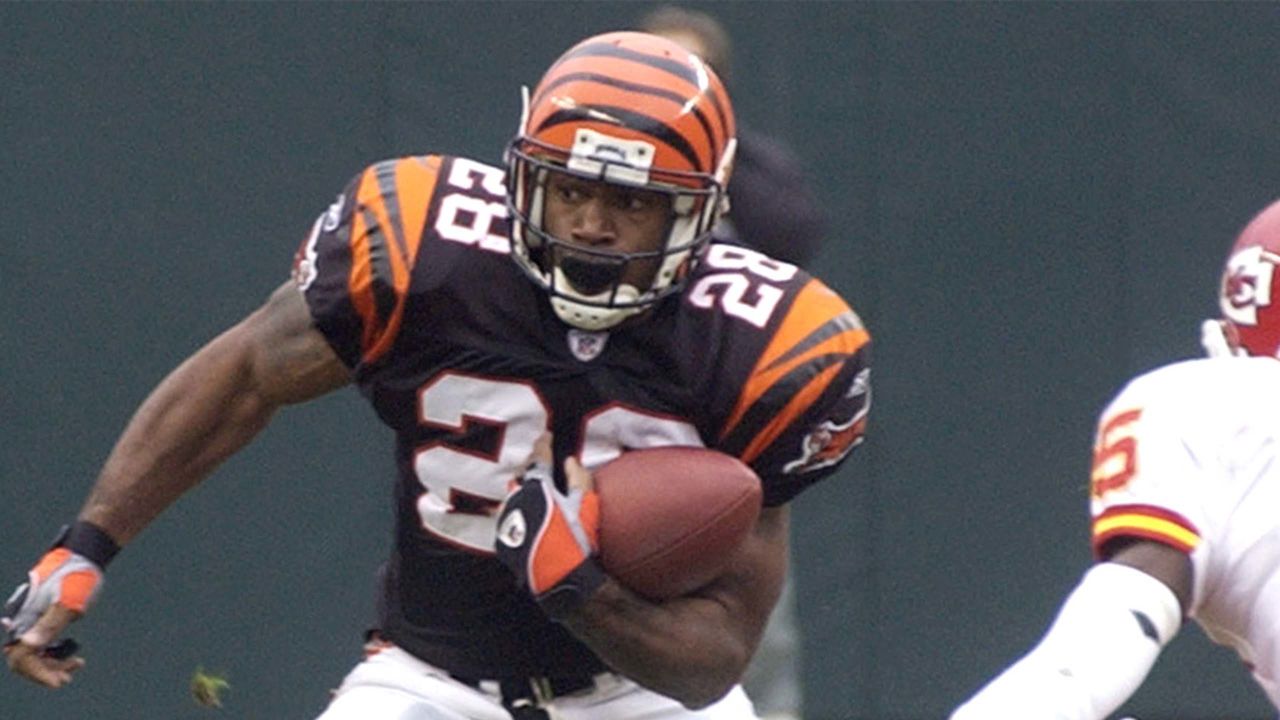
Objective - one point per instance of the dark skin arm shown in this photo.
(206, 410)
(210, 407)
(693, 648)
(1169, 566)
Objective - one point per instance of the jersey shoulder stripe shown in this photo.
(815, 338)
(389, 215)
(1144, 521)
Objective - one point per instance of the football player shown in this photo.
(570, 302)
(774, 211)
(1184, 491)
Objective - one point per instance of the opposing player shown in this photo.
(1185, 487)
(426, 283)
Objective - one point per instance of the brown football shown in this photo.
(671, 517)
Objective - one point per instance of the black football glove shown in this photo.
(548, 539)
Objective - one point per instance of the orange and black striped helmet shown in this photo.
(632, 109)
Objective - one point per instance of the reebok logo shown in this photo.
(512, 531)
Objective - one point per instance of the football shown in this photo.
(671, 517)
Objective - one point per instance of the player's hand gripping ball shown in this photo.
(547, 538)
(671, 517)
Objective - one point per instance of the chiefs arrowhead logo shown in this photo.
(1246, 286)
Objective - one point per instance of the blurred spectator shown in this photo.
(772, 209)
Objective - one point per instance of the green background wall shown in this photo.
(1030, 203)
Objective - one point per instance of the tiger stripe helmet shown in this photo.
(633, 109)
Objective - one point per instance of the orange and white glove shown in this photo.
(69, 575)
(548, 539)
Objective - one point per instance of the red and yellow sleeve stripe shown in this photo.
(1146, 522)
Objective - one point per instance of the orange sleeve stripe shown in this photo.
(794, 409)
(417, 179)
(1147, 522)
(818, 305)
(372, 198)
(399, 212)
(415, 182)
(845, 343)
(815, 306)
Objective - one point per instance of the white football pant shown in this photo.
(391, 684)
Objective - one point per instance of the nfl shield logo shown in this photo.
(586, 346)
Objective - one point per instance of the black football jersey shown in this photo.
(408, 277)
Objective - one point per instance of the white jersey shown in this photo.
(1189, 455)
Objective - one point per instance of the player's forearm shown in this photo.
(689, 649)
(693, 648)
(201, 414)
(1097, 652)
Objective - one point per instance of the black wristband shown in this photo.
(89, 540)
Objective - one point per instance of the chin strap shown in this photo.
(1214, 340)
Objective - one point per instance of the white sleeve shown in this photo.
(1097, 652)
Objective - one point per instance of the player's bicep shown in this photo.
(1163, 562)
(291, 360)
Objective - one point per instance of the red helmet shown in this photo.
(632, 109)
(1248, 297)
